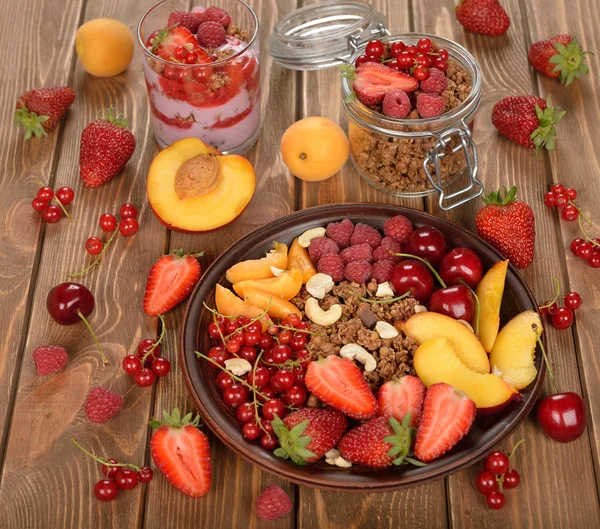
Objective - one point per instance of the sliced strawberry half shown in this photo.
(397, 398)
(170, 281)
(447, 417)
(372, 81)
(166, 40)
(340, 384)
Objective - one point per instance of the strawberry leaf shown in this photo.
(569, 61)
(401, 440)
(293, 444)
(545, 135)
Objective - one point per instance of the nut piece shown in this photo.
(384, 289)
(238, 366)
(496, 371)
(332, 454)
(385, 330)
(319, 316)
(341, 462)
(467, 325)
(308, 235)
(419, 308)
(319, 285)
(353, 351)
(330, 461)
(276, 271)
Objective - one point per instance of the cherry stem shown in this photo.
(87, 324)
(477, 306)
(587, 237)
(97, 260)
(102, 460)
(550, 374)
(427, 264)
(514, 450)
(407, 294)
(163, 330)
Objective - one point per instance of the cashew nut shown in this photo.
(419, 308)
(385, 330)
(353, 351)
(467, 325)
(276, 271)
(384, 289)
(332, 454)
(308, 235)
(319, 284)
(319, 316)
(238, 366)
(496, 371)
(341, 462)
(330, 461)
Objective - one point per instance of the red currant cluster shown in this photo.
(52, 213)
(561, 316)
(497, 476)
(411, 58)
(119, 476)
(275, 382)
(185, 56)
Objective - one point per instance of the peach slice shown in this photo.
(286, 286)
(259, 268)
(275, 307)
(437, 361)
(425, 326)
(298, 258)
(514, 350)
(489, 291)
(228, 304)
(192, 188)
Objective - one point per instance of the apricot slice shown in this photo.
(489, 291)
(259, 268)
(192, 188)
(275, 307)
(298, 258)
(228, 304)
(286, 286)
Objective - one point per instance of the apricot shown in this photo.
(275, 307)
(314, 148)
(104, 47)
(298, 258)
(490, 291)
(259, 268)
(228, 304)
(286, 286)
(193, 188)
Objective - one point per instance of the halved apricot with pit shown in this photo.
(275, 307)
(228, 304)
(286, 286)
(298, 258)
(259, 268)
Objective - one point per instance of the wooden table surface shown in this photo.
(47, 484)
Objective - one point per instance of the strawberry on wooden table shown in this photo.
(486, 17)
(182, 453)
(398, 398)
(559, 56)
(39, 110)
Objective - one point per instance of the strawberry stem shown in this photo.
(87, 324)
(163, 330)
(96, 261)
(550, 374)
(102, 460)
(427, 264)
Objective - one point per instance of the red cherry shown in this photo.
(374, 49)
(413, 276)
(396, 49)
(562, 416)
(65, 195)
(251, 430)
(38, 204)
(550, 199)
(110, 471)
(421, 73)
(495, 500)
(461, 264)
(424, 45)
(67, 302)
(562, 318)
(93, 246)
(511, 479)
(161, 367)
(571, 193)
(128, 211)
(557, 188)
(126, 479)
(52, 214)
(145, 378)
(106, 490)
(569, 213)
(132, 365)
(129, 227)
(496, 462)
(428, 243)
(107, 222)
(457, 302)
(575, 244)
(45, 193)
(486, 482)
(572, 300)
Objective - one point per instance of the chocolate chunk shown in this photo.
(367, 316)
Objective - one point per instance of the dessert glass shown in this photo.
(218, 103)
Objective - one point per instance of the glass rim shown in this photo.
(208, 65)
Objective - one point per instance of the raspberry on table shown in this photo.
(383, 252)
(216, 14)
(365, 233)
(211, 34)
(357, 252)
(332, 264)
(430, 105)
(382, 270)
(435, 83)
(102, 404)
(273, 503)
(398, 228)
(49, 359)
(341, 232)
(187, 20)
(320, 246)
(358, 271)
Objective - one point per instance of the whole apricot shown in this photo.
(314, 148)
(104, 47)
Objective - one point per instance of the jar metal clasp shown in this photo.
(474, 187)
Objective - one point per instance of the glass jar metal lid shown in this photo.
(317, 36)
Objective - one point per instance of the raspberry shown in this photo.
(398, 228)
(190, 21)
(382, 270)
(320, 246)
(102, 404)
(383, 252)
(365, 233)
(49, 359)
(273, 503)
(341, 232)
(332, 264)
(216, 14)
(430, 105)
(358, 271)
(435, 83)
(357, 252)
(396, 104)
(211, 34)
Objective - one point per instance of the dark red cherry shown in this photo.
(457, 302)
(428, 243)
(562, 416)
(461, 263)
(414, 276)
(66, 301)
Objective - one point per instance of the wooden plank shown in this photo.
(236, 483)
(46, 482)
(502, 163)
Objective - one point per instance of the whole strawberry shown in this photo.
(486, 17)
(106, 146)
(509, 226)
(559, 56)
(38, 111)
(528, 121)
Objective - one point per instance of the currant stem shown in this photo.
(587, 237)
(254, 399)
(514, 449)
(163, 330)
(60, 205)
(97, 260)
(102, 460)
(87, 324)
(550, 374)
(427, 264)
(477, 306)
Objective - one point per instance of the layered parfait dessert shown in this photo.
(202, 75)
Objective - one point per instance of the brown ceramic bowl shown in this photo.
(486, 433)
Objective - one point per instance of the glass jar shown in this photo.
(217, 102)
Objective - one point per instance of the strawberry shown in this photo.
(102, 404)
(39, 110)
(339, 383)
(372, 81)
(379, 443)
(508, 225)
(486, 17)
(170, 281)
(106, 146)
(308, 434)
(397, 398)
(166, 40)
(447, 417)
(273, 503)
(527, 120)
(182, 453)
(559, 56)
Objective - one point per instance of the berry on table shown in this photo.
(52, 214)
(572, 300)
(561, 200)
(45, 193)
(107, 222)
(126, 479)
(38, 204)
(145, 475)
(562, 318)
(486, 482)
(106, 490)
(584, 250)
(550, 199)
(557, 188)
(161, 367)
(571, 193)
(65, 195)
(129, 227)
(93, 246)
(132, 365)
(575, 244)
(511, 479)
(110, 470)
(495, 500)
(49, 359)
(273, 503)
(570, 213)
(496, 462)
(145, 377)
(128, 211)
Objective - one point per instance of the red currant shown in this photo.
(252, 337)
(106, 490)
(38, 204)
(285, 336)
(295, 396)
(266, 425)
(298, 342)
(218, 355)
(145, 475)
(260, 377)
(170, 73)
(107, 222)
(423, 60)
(424, 45)
(268, 442)
(267, 392)
(363, 59)
(575, 244)
(374, 49)
(496, 462)
(594, 261)
(45, 193)
(584, 250)
(247, 353)
(281, 354)
(93, 246)
(405, 60)
(251, 430)
(144, 346)
(550, 199)
(132, 365)
(224, 380)
(411, 49)
(233, 346)
(303, 357)
(235, 395)
(129, 227)
(282, 380)
(300, 374)
(572, 300)
(245, 412)
(145, 377)
(561, 200)
(393, 64)
(52, 214)
(179, 53)
(440, 64)
(231, 327)
(571, 193)
(495, 500)
(562, 318)
(396, 49)
(511, 479)
(443, 54)
(215, 331)
(273, 407)
(548, 308)
(65, 195)
(486, 482)
(128, 211)
(110, 471)
(570, 213)
(126, 479)
(557, 188)
(191, 57)
(161, 367)
(421, 73)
